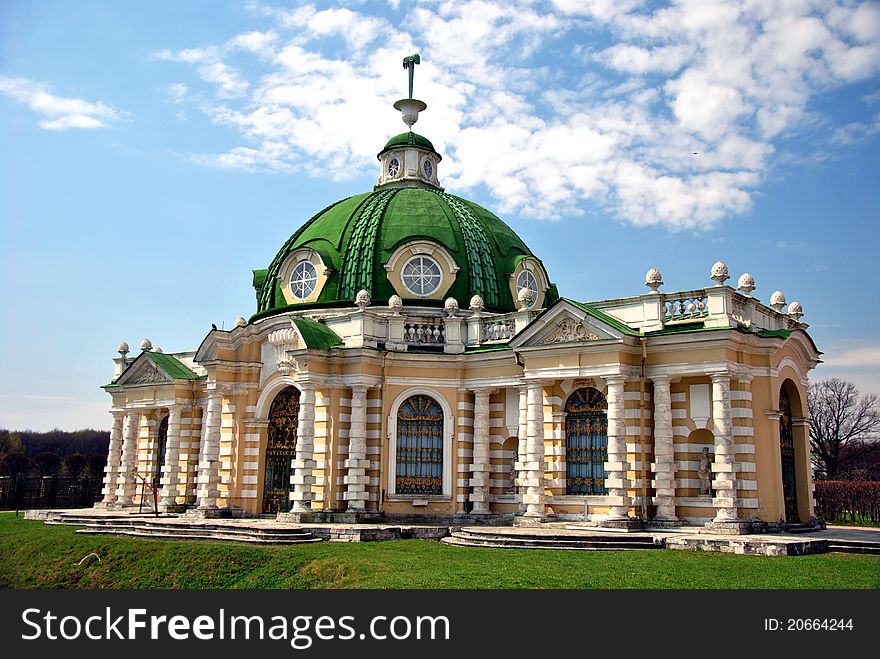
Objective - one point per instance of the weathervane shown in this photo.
(410, 107)
(409, 62)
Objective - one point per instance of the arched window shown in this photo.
(419, 464)
(586, 442)
(786, 446)
(280, 449)
(161, 446)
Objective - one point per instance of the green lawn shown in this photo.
(33, 555)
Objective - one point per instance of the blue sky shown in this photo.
(154, 153)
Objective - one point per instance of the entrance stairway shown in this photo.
(855, 546)
(170, 528)
(523, 539)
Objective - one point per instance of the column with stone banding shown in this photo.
(114, 455)
(724, 466)
(171, 468)
(209, 454)
(664, 456)
(480, 467)
(126, 479)
(521, 436)
(616, 467)
(531, 464)
(356, 479)
(303, 463)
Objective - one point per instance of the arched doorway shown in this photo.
(419, 450)
(280, 450)
(161, 447)
(786, 446)
(586, 442)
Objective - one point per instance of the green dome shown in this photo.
(409, 139)
(357, 236)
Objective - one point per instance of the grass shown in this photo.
(34, 555)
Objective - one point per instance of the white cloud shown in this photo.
(674, 120)
(61, 113)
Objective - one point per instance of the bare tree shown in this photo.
(843, 424)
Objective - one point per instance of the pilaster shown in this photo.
(209, 454)
(356, 480)
(126, 480)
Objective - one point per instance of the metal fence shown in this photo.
(24, 492)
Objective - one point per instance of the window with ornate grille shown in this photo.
(586, 442)
(419, 447)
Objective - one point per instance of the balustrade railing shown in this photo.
(685, 307)
(424, 333)
(498, 329)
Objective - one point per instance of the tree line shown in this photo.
(76, 454)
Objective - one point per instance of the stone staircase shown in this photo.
(487, 537)
(169, 528)
(854, 546)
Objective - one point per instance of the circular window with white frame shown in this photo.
(527, 280)
(421, 275)
(303, 280)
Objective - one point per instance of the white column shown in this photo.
(301, 480)
(531, 464)
(126, 480)
(171, 468)
(111, 471)
(521, 442)
(616, 466)
(208, 479)
(664, 452)
(480, 467)
(724, 467)
(356, 480)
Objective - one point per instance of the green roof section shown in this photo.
(315, 334)
(409, 139)
(357, 236)
(175, 368)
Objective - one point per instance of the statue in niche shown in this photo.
(704, 473)
(511, 486)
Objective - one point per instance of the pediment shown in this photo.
(564, 324)
(144, 371)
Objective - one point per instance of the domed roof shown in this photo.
(356, 237)
(409, 139)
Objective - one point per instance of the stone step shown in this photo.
(190, 528)
(629, 538)
(855, 546)
(463, 542)
(801, 528)
(524, 540)
(219, 535)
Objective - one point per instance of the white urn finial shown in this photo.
(720, 273)
(477, 304)
(395, 303)
(777, 300)
(362, 299)
(524, 297)
(122, 349)
(451, 306)
(240, 321)
(795, 310)
(746, 284)
(653, 280)
(157, 349)
(146, 345)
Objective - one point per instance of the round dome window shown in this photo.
(303, 280)
(421, 275)
(527, 280)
